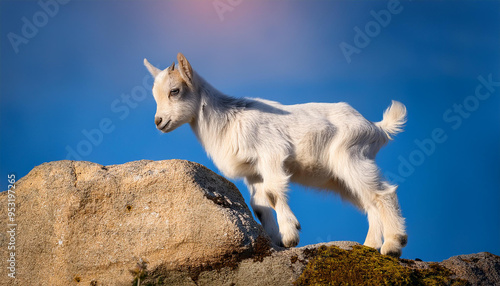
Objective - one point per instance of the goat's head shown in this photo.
(174, 92)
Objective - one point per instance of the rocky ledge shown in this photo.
(178, 223)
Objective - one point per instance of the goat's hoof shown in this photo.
(291, 237)
(392, 247)
(395, 252)
(290, 242)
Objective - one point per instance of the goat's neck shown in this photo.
(216, 111)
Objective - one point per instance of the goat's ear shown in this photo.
(152, 69)
(172, 67)
(185, 68)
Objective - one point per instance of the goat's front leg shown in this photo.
(289, 226)
(262, 209)
(273, 188)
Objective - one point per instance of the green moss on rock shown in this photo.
(365, 266)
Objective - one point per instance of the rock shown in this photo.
(178, 223)
(330, 265)
(479, 269)
(272, 267)
(80, 222)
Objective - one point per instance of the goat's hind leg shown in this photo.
(395, 237)
(379, 200)
(374, 235)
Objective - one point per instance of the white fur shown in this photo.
(323, 145)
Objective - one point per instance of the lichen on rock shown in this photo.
(365, 266)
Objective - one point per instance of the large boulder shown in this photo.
(87, 224)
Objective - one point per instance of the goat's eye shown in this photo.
(174, 91)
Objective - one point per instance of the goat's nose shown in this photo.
(157, 120)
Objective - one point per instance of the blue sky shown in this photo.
(71, 71)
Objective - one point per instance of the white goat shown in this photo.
(323, 145)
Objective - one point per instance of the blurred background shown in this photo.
(73, 86)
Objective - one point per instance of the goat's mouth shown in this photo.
(164, 128)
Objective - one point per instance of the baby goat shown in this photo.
(323, 145)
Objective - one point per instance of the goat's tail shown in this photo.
(394, 119)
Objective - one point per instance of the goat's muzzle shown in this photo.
(158, 120)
